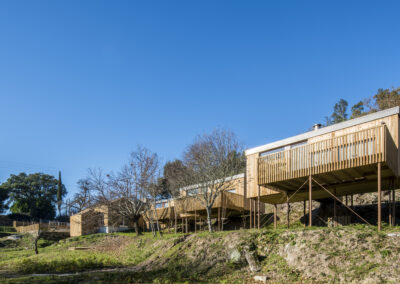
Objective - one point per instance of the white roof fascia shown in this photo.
(324, 130)
(163, 200)
(194, 186)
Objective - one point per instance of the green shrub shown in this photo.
(37, 264)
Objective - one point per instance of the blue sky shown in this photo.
(83, 82)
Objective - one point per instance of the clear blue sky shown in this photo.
(83, 82)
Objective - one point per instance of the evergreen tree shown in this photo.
(357, 110)
(339, 113)
(3, 198)
(387, 98)
(33, 194)
(59, 193)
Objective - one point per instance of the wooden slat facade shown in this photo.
(342, 156)
(163, 214)
(91, 220)
(233, 199)
(227, 200)
(357, 149)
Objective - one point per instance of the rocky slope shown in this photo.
(351, 254)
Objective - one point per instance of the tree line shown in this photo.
(383, 99)
(135, 189)
(142, 181)
(32, 196)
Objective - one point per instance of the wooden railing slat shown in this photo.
(351, 150)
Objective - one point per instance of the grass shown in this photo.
(7, 229)
(71, 261)
(275, 264)
(54, 257)
(19, 258)
(184, 259)
(125, 277)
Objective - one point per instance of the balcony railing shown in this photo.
(356, 149)
(225, 200)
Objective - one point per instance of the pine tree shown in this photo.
(339, 113)
(59, 193)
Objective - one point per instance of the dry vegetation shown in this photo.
(346, 254)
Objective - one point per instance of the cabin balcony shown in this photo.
(229, 201)
(338, 160)
(166, 213)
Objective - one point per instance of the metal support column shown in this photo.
(221, 227)
(219, 218)
(334, 209)
(254, 216)
(394, 208)
(195, 221)
(309, 201)
(258, 209)
(250, 221)
(379, 198)
(176, 221)
(288, 215)
(275, 217)
(390, 207)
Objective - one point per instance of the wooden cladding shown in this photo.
(355, 149)
(225, 199)
(164, 213)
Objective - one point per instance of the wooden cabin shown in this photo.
(165, 209)
(232, 202)
(356, 156)
(99, 219)
(164, 212)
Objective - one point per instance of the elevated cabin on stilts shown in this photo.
(231, 208)
(164, 213)
(356, 156)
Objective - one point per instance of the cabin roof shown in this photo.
(324, 130)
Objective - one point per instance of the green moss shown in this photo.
(65, 263)
(276, 264)
(184, 261)
(385, 253)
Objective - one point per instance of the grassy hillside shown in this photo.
(345, 254)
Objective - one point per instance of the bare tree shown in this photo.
(210, 160)
(83, 198)
(174, 173)
(36, 235)
(126, 194)
(154, 192)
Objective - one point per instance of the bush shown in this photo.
(64, 264)
(19, 217)
(62, 218)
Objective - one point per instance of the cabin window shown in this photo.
(272, 151)
(299, 144)
(158, 205)
(231, 190)
(192, 192)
